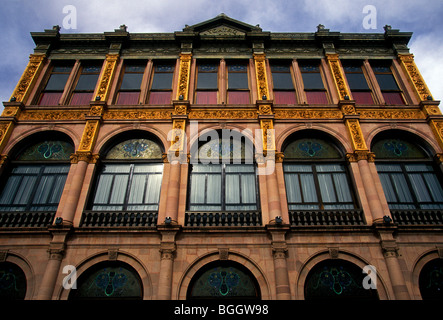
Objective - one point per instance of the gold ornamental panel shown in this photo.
(29, 77)
(418, 83)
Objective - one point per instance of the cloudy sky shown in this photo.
(20, 17)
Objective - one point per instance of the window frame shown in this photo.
(385, 92)
(152, 90)
(81, 72)
(126, 64)
(56, 64)
(317, 64)
(286, 90)
(358, 64)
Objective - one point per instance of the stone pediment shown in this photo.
(222, 25)
(222, 31)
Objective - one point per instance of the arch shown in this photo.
(340, 140)
(213, 257)
(27, 270)
(104, 257)
(325, 255)
(422, 261)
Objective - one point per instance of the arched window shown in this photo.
(407, 173)
(316, 176)
(12, 282)
(337, 279)
(431, 280)
(223, 280)
(35, 179)
(108, 280)
(130, 175)
(223, 175)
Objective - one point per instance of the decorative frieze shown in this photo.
(183, 76)
(89, 135)
(358, 142)
(261, 77)
(107, 77)
(337, 74)
(28, 78)
(416, 79)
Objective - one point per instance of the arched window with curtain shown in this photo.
(223, 186)
(318, 186)
(128, 179)
(411, 182)
(35, 178)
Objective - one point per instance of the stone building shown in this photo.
(221, 161)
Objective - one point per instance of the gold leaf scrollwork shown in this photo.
(183, 76)
(338, 76)
(89, 135)
(31, 72)
(260, 70)
(107, 76)
(407, 61)
(356, 134)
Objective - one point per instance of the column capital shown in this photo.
(358, 155)
(85, 156)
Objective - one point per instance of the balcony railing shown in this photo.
(327, 218)
(36, 219)
(119, 219)
(223, 218)
(417, 217)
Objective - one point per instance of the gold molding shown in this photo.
(360, 155)
(268, 134)
(107, 76)
(410, 68)
(354, 129)
(89, 136)
(437, 128)
(51, 115)
(178, 135)
(223, 114)
(5, 133)
(183, 76)
(29, 77)
(337, 75)
(84, 156)
(308, 114)
(261, 76)
(390, 114)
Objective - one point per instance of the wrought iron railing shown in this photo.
(327, 218)
(18, 219)
(417, 217)
(223, 218)
(119, 219)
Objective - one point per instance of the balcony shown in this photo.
(119, 219)
(327, 218)
(417, 217)
(223, 219)
(18, 219)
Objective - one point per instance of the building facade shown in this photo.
(221, 161)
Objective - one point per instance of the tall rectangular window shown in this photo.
(86, 84)
(161, 87)
(129, 92)
(238, 84)
(55, 86)
(357, 83)
(313, 82)
(387, 83)
(207, 83)
(284, 91)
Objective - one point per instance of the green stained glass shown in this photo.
(431, 280)
(47, 150)
(397, 149)
(225, 149)
(224, 282)
(311, 148)
(12, 282)
(109, 281)
(135, 149)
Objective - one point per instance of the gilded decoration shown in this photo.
(89, 135)
(356, 134)
(107, 76)
(360, 155)
(84, 156)
(183, 76)
(52, 115)
(348, 109)
(28, 78)
(265, 109)
(11, 112)
(260, 72)
(96, 111)
(391, 114)
(408, 64)
(130, 114)
(337, 74)
(178, 135)
(180, 109)
(267, 127)
(437, 127)
(223, 114)
(5, 131)
(307, 114)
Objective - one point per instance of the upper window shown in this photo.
(86, 83)
(284, 91)
(130, 177)
(313, 82)
(161, 87)
(387, 83)
(316, 177)
(37, 176)
(55, 85)
(238, 85)
(408, 176)
(357, 82)
(207, 83)
(130, 85)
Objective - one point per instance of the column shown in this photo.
(279, 253)
(167, 252)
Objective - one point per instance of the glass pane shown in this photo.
(282, 81)
(238, 97)
(50, 98)
(87, 82)
(198, 189)
(308, 188)
(119, 188)
(213, 192)
(311, 148)
(57, 82)
(232, 189)
(128, 98)
(293, 191)
(434, 186)
(312, 81)
(362, 97)
(47, 150)
(248, 191)
(206, 97)
(207, 81)
(401, 187)
(357, 81)
(387, 82)
(131, 81)
(153, 188)
(285, 97)
(137, 189)
(419, 187)
(160, 97)
(316, 97)
(162, 81)
(342, 188)
(238, 80)
(240, 168)
(326, 188)
(135, 149)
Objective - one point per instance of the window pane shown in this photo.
(326, 188)
(162, 81)
(238, 97)
(387, 82)
(248, 192)
(434, 186)
(238, 80)
(357, 81)
(362, 97)
(292, 188)
(207, 81)
(316, 97)
(312, 81)
(160, 97)
(87, 82)
(232, 189)
(198, 188)
(308, 187)
(128, 98)
(153, 188)
(282, 81)
(50, 98)
(393, 98)
(284, 97)
(57, 82)
(81, 98)
(419, 187)
(131, 81)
